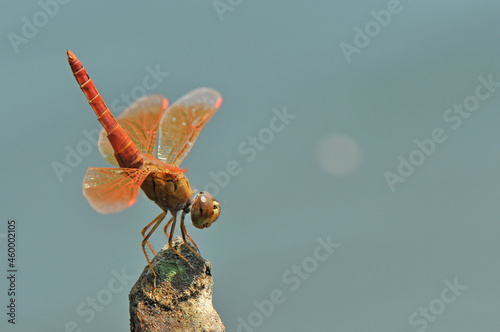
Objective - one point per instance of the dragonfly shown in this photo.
(148, 142)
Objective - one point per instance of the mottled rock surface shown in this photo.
(182, 300)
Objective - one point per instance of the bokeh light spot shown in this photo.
(338, 155)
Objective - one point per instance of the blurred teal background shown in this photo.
(357, 103)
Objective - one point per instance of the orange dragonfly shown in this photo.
(129, 142)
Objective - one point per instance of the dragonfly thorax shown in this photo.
(171, 192)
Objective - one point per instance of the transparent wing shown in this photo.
(111, 190)
(182, 122)
(140, 121)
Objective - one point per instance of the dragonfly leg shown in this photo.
(171, 237)
(143, 232)
(158, 220)
(166, 227)
(185, 233)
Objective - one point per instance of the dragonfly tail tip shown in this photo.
(71, 56)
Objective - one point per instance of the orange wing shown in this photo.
(111, 190)
(182, 122)
(140, 121)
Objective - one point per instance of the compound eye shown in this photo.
(205, 210)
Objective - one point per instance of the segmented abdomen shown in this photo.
(126, 153)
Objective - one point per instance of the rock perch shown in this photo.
(182, 300)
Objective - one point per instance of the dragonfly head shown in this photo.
(205, 210)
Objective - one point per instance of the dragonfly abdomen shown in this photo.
(126, 153)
